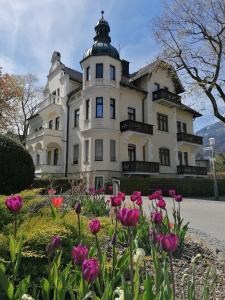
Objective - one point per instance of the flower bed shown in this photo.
(79, 246)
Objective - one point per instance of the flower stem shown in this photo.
(131, 263)
(172, 274)
(15, 226)
(79, 231)
(100, 259)
(114, 247)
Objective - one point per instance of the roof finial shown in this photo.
(102, 12)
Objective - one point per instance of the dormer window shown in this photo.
(112, 73)
(99, 70)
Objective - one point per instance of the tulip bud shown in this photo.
(94, 226)
(79, 254)
(77, 208)
(170, 242)
(90, 269)
(156, 217)
(128, 217)
(14, 203)
(178, 198)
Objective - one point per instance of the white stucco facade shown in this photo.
(114, 125)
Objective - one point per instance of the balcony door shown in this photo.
(131, 152)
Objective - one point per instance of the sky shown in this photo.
(31, 30)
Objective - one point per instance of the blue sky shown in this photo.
(32, 29)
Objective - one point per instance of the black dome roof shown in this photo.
(102, 41)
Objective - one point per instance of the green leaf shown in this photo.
(148, 285)
(10, 291)
(45, 288)
(3, 278)
(12, 249)
(22, 288)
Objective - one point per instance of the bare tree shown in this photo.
(192, 33)
(9, 90)
(26, 103)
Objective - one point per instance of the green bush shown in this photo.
(16, 165)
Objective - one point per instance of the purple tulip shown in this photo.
(79, 254)
(170, 242)
(139, 201)
(77, 208)
(14, 203)
(178, 198)
(156, 217)
(94, 226)
(128, 217)
(161, 203)
(116, 200)
(90, 269)
(172, 193)
(54, 244)
(122, 195)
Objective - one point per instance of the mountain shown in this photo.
(217, 131)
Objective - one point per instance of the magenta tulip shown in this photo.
(156, 217)
(94, 226)
(161, 203)
(79, 254)
(54, 244)
(14, 203)
(77, 208)
(170, 242)
(121, 195)
(128, 217)
(172, 193)
(116, 200)
(90, 269)
(178, 198)
(139, 201)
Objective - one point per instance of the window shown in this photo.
(99, 70)
(87, 108)
(143, 149)
(38, 160)
(49, 157)
(131, 114)
(112, 73)
(185, 127)
(56, 156)
(75, 154)
(112, 109)
(178, 126)
(99, 107)
(180, 158)
(76, 117)
(157, 86)
(57, 123)
(112, 150)
(98, 150)
(50, 124)
(131, 152)
(185, 158)
(88, 73)
(164, 156)
(162, 122)
(98, 183)
(86, 151)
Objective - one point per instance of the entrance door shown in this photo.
(131, 152)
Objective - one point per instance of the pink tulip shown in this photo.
(14, 203)
(90, 269)
(178, 198)
(79, 254)
(128, 217)
(172, 193)
(161, 203)
(94, 226)
(170, 242)
(156, 217)
(139, 201)
(122, 195)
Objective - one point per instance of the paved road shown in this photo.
(206, 217)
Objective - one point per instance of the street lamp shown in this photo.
(212, 144)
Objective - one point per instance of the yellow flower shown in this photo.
(119, 292)
(139, 256)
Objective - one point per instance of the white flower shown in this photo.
(27, 297)
(119, 292)
(139, 256)
(197, 257)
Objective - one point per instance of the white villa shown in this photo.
(108, 122)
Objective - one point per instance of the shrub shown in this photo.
(16, 165)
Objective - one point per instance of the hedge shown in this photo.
(188, 187)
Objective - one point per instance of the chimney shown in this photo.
(125, 68)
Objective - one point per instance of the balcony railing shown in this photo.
(191, 170)
(140, 167)
(44, 132)
(190, 138)
(136, 126)
(164, 96)
(50, 100)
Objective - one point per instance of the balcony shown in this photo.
(51, 169)
(167, 98)
(192, 170)
(130, 125)
(44, 132)
(189, 138)
(141, 167)
(54, 100)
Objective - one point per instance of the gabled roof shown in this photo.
(73, 74)
(131, 86)
(147, 70)
(195, 113)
